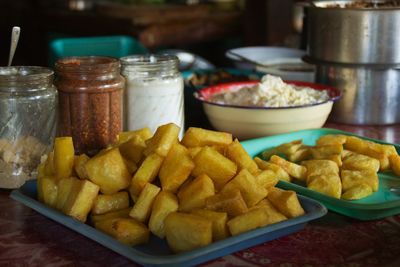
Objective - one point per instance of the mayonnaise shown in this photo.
(153, 103)
(153, 93)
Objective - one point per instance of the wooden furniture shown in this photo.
(154, 26)
(259, 22)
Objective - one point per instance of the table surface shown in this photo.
(27, 238)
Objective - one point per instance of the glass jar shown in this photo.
(90, 101)
(28, 118)
(154, 92)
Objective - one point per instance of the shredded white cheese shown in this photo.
(271, 92)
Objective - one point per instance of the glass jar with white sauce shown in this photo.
(154, 92)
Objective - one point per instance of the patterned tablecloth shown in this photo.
(330, 241)
(30, 239)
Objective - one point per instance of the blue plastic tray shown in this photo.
(156, 252)
(380, 204)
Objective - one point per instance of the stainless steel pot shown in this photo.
(354, 35)
(369, 95)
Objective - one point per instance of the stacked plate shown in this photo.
(280, 61)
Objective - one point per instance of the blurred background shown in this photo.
(205, 28)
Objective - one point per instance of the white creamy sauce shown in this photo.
(271, 92)
(154, 102)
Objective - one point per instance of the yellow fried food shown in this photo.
(198, 137)
(162, 140)
(250, 220)
(107, 169)
(331, 152)
(130, 166)
(248, 186)
(164, 204)
(322, 152)
(267, 179)
(357, 192)
(187, 231)
(235, 152)
(146, 173)
(327, 184)
(286, 202)
(133, 149)
(126, 230)
(142, 208)
(48, 168)
(124, 213)
(286, 149)
(143, 133)
(350, 178)
(80, 200)
(294, 170)
(47, 190)
(273, 215)
(371, 149)
(64, 189)
(360, 162)
(280, 173)
(331, 139)
(219, 168)
(176, 168)
(230, 201)
(395, 164)
(79, 166)
(318, 167)
(218, 219)
(303, 153)
(108, 203)
(191, 193)
(64, 155)
(194, 195)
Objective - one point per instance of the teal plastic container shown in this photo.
(383, 203)
(112, 46)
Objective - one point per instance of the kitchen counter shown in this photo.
(27, 238)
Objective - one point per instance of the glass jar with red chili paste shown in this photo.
(90, 101)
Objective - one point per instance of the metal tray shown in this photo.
(383, 203)
(156, 252)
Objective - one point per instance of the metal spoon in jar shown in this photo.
(14, 42)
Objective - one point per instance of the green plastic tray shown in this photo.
(380, 204)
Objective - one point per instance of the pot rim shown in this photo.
(311, 60)
(323, 5)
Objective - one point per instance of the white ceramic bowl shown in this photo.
(269, 55)
(252, 122)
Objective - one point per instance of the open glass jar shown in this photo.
(28, 118)
(90, 101)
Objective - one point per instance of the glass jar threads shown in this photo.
(90, 101)
(28, 118)
(154, 91)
